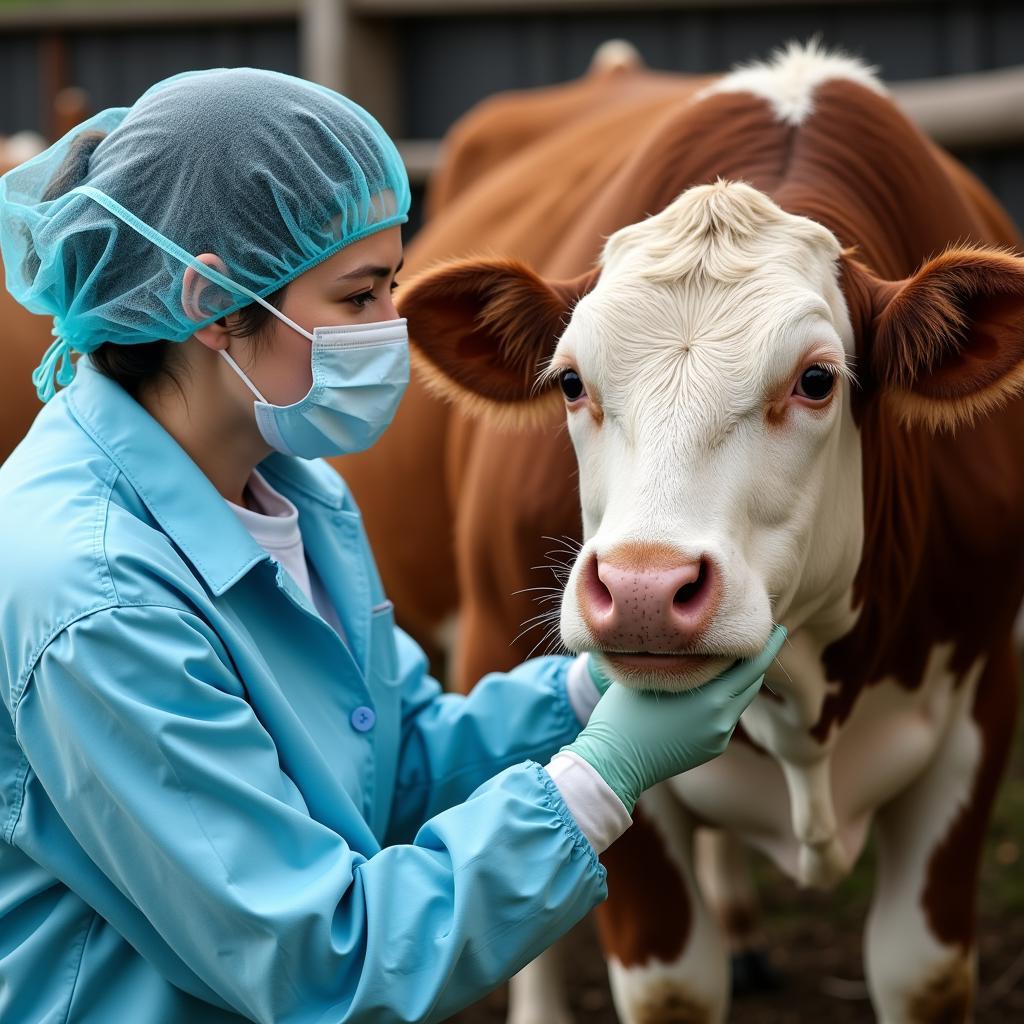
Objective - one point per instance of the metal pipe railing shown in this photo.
(983, 109)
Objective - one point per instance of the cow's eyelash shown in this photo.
(840, 371)
(550, 373)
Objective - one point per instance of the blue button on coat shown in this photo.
(363, 718)
(191, 830)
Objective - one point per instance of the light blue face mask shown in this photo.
(360, 372)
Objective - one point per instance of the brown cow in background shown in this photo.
(26, 335)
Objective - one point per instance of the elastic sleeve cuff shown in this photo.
(579, 687)
(599, 813)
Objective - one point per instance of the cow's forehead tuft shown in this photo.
(722, 232)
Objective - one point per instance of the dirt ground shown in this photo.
(815, 942)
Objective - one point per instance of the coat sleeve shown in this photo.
(167, 780)
(451, 743)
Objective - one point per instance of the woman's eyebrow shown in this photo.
(371, 270)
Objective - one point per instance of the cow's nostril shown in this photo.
(687, 593)
(599, 597)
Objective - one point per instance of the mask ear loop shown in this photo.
(280, 316)
(274, 311)
(241, 373)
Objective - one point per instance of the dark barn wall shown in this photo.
(446, 63)
(21, 97)
(905, 40)
(115, 69)
(485, 54)
(115, 66)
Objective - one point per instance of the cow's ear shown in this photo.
(947, 344)
(484, 330)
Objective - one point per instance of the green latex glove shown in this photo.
(602, 682)
(635, 740)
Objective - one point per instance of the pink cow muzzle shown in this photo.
(648, 599)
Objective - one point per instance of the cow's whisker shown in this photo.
(576, 545)
(549, 617)
(550, 635)
(784, 672)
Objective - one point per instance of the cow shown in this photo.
(790, 374)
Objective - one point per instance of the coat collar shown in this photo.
(177, 493)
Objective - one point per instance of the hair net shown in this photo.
(271, 173)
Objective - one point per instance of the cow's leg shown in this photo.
(723, 870)
(920, 936)
(536, 995)
(1018, 630)
(667, 960)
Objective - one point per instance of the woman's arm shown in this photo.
(135, 724)
(451, 743)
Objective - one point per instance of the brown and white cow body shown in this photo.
(802, 228)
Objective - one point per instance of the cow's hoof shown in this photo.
(753, 972)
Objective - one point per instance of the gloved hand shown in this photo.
(601, 681)
(635, 740)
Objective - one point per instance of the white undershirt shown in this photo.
(273, 522)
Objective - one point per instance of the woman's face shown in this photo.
(354, 286)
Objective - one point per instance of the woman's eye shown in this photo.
(363, 300)
(816, 383)
(572, 385)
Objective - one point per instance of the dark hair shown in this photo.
(71, 172)
(134, 366)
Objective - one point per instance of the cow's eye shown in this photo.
(816, 383)
(572, 385)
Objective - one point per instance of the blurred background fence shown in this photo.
(420, 64)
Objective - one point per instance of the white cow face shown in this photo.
(706, 380)
(706, 372)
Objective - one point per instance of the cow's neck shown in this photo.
(897, 488)
(846, 627)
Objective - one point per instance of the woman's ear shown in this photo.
(199, 299)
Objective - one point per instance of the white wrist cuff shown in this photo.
(583, 694)
(600, 814)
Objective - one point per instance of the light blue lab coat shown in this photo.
(211, 807)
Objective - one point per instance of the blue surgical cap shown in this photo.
(271, 173)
